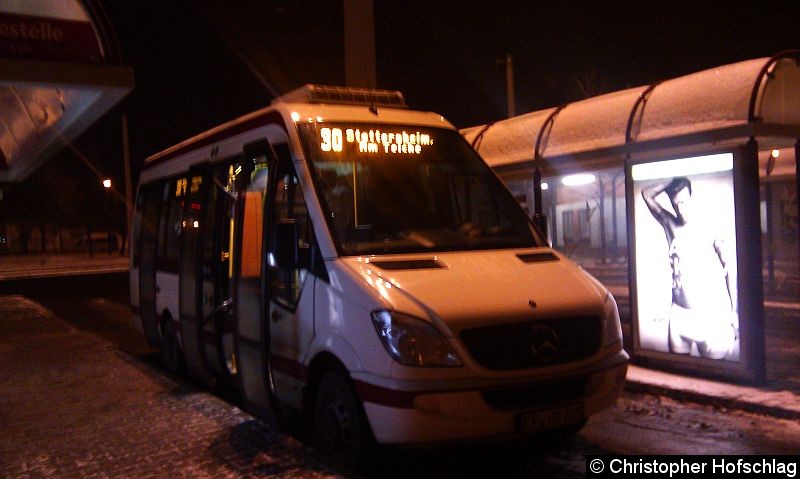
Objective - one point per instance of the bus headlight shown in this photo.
(612, 329)
(413, 342)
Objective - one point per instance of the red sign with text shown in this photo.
(42, 38)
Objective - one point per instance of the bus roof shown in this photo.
(290, 108)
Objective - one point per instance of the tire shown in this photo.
(565, 433)
(171, 353)
(340, 426)
(550, 437)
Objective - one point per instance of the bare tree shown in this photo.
(590, 83)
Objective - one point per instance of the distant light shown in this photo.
(579, 179)
(295, 116)
(196, 224)
(107, 183)
(545, 186)
(319, 119)
(776, 153)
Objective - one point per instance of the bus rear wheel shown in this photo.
(340, 428)
(171, 353)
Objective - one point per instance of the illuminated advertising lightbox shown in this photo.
(684, 289)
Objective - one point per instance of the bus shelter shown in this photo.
(60, 71)
(678, 195)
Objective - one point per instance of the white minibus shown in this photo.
(350, 262)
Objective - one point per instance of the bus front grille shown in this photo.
(534, 344)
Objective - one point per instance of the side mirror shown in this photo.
(289, 254)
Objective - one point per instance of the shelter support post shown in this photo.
(614, 228)
(553, 192)
(797, 179)
(602, 209)
(770, 236)
(126, 157)
(537, 191)
(510, 85)
(538, 217)
(749, 259)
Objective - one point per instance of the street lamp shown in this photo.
(107, 188)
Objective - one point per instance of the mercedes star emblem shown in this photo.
(544, 343)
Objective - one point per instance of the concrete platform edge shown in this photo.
(779, 404)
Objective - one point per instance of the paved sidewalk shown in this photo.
(767, 400)
(73, 405)
(778, 395)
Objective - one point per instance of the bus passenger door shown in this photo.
(227, 181)
(195, 187)
(290, 283)
(151, 209)
(167, 278)
(251, 330)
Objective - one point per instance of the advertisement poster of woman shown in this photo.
(685, 260)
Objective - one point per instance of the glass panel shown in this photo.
(399, 189)
(780, 227)
(137, 229)
(589, 224)
(170, 226)
(290, 206)
(213, 231)
(190, 228)
(686, 265)
(252, 214)
(152, 199)
(586, 219)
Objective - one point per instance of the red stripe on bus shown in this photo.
(368, 392)
(386, 397)
(290, 367)
(382, 396)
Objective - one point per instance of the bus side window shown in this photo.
(213, 230)
(137, 228)
(286, 282)
(169, 230)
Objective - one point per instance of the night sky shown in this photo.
(442, 55)
(201, 63)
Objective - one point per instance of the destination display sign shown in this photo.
(374, 140)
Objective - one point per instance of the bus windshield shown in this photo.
(407, 189)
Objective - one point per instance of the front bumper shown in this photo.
(493, 412)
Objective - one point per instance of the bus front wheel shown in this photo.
(340, 428)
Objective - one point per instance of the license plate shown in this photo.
(550, 418)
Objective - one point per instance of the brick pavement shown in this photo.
(74, 405)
